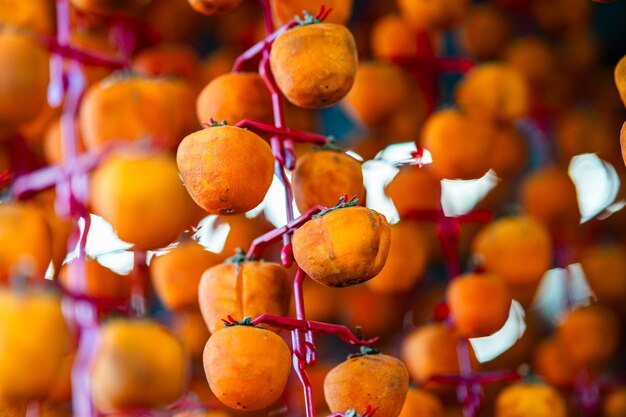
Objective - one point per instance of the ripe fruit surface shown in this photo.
(262, 356)
(226, 170)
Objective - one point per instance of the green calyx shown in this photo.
(215, 123)
(239, 257)
(330, 146)
(307, 19)
(341, 204)
(247, 321)
(351, 412)
(364, 351)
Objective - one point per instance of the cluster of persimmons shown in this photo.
(173, 155)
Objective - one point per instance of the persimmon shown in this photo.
(109, 7)
(189, 327)
(605, 272)
(517, 249)
(460, 146)
(176, 274)
(235, 96)
(509, 153)
(433, 15)
(432, 350)
(379, 90)
(184, 94)
(549, 195)
(36, 16)
(217, 153)
(407, 260)
(262, 356)
(137, 363)
(218, 62)
(377, 314)
(129, 108)
(26, 241)
(168, 59)
(365, 379)
(552, 363)
(615, 403)
(535, 60)
(494, 91)
(479, 304)
(142, 197)
(53, 143)
(13, 409)
(392, 36)
(323, 176)
(530, 400)
(61, 391)
(100, 281)
(60, 227)
(369, 146)
(43, 347)
(620, 78)
(421, 403)
(343, 247)
(414, 188)
(284, 11)
(582, 130)
(486, 31)
(24, 68)
(314, 65)
(241, 289)
(562, 16)
(589, 336)
(407, 121)
(214, 7)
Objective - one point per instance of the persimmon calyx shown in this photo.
(364, 351)
(239, 257)
(308, 19)
(343, 203)
(247, 321)
(214, 123)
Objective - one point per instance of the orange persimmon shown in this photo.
(517, 249)
(589, 336)
(110, 6)
(53, 148)
(376, 314)
(367, 378)
(241, 289)
(343, 247)
(432, 350)
(42, 348)
(188, 325)
(168, 59)
(380, 89)
(615, 403)
(214, 7)
(226, 170)
(137, 363)
(35, 15)
(421, 403)
(323, 176)
(486, 31)
(100, 280)
(142, 197)
(407, 260)
(549, 195)
(620, 78)
(494, 91)
(433, 15)
(233, 97)
(414, 188)
(24, 69)
(26, 246)
(176, 274)
(553, 365)
(392, 36)
(262, 356)
(530, 400)
(460, 145)
(314, 65)
(130, 108)
(509, 152)
(479, 304)
(605, 272)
